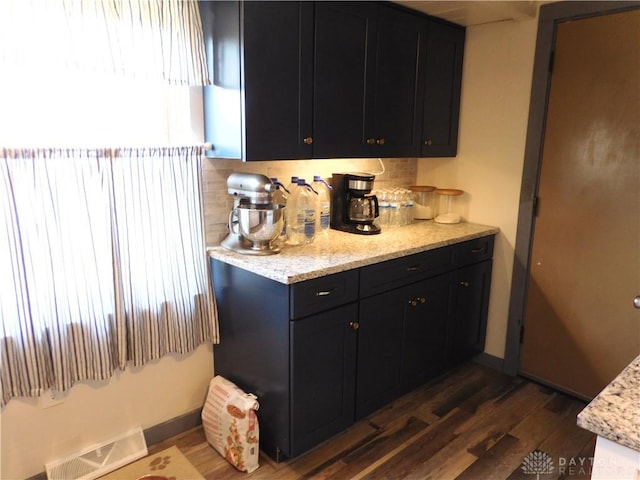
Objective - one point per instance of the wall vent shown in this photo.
(98, 460)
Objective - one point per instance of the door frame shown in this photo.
(550, 16)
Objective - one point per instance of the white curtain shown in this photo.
(144, 39)
(102, 262)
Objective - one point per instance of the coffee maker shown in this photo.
(352, 208)
(255, 221)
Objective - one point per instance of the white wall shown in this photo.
(496, 85)
(96, 411)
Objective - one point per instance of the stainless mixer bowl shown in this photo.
(260, 224)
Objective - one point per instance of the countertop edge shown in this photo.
(614, 413)
(287, 276)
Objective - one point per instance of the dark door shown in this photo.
(393, 124)
(471, 288)
(343, 65)
(278, 50)
(445, 48)
(426, 314)
(379, 351)
(323, 369)
(580, 326)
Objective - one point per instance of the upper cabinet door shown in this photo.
(393, 129)
(260, 61)
(445, 48)
(277, 70)
(343, 77)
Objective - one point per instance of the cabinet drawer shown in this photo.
(475, 250)
(391, 274)
(313, 296)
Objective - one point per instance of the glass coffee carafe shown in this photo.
(363, 209)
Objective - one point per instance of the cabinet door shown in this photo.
(343, 71)
(426, 314)
(393, 129)
(323, 362)
(471, 302)
(379, 351)
(278, 65)
(445, 46)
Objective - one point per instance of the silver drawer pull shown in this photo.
(477, 250)
(325, 293)
(414, 268)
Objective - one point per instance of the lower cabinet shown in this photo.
(426, 317)
(379, 351)
(323, 374)
(401, 341)
(468, 323)
(326, 352)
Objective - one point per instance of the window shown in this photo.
(102, 255)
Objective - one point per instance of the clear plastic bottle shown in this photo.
(410, 206)
(281, 196)
(293, 185)
(394, 208)
(323, 210)
(301, 228)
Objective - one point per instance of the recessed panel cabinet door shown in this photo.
(379, 351)
(259, 57)
(394, 128)
(344, 59)
(426, 314)
(445, 48)
(323, 369)
(471, 288)
(278, 48)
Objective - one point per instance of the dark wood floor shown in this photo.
(474, 423)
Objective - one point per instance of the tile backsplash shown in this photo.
(398, 172)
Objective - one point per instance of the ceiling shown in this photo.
(477, 12)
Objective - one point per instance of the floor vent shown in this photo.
(100, 459)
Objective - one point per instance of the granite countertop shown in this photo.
(615, 413)
(343, 251)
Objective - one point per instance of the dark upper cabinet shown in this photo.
(298, 80)
(259, 55)
(442, 85)
(367, 100)
(392, 126)
(343, 76)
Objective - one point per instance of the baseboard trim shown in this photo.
(489, 361)
(162, 431)
(159, 433)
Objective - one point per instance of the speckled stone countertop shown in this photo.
(343, 251)
(615, 413)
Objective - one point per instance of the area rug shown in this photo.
(170, 464)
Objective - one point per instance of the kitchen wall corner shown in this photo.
(496, 86)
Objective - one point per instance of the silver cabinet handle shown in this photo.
(636, 301)
(325, 293)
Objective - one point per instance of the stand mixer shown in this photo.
(255, 222)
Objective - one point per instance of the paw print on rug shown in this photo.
(160, 463)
